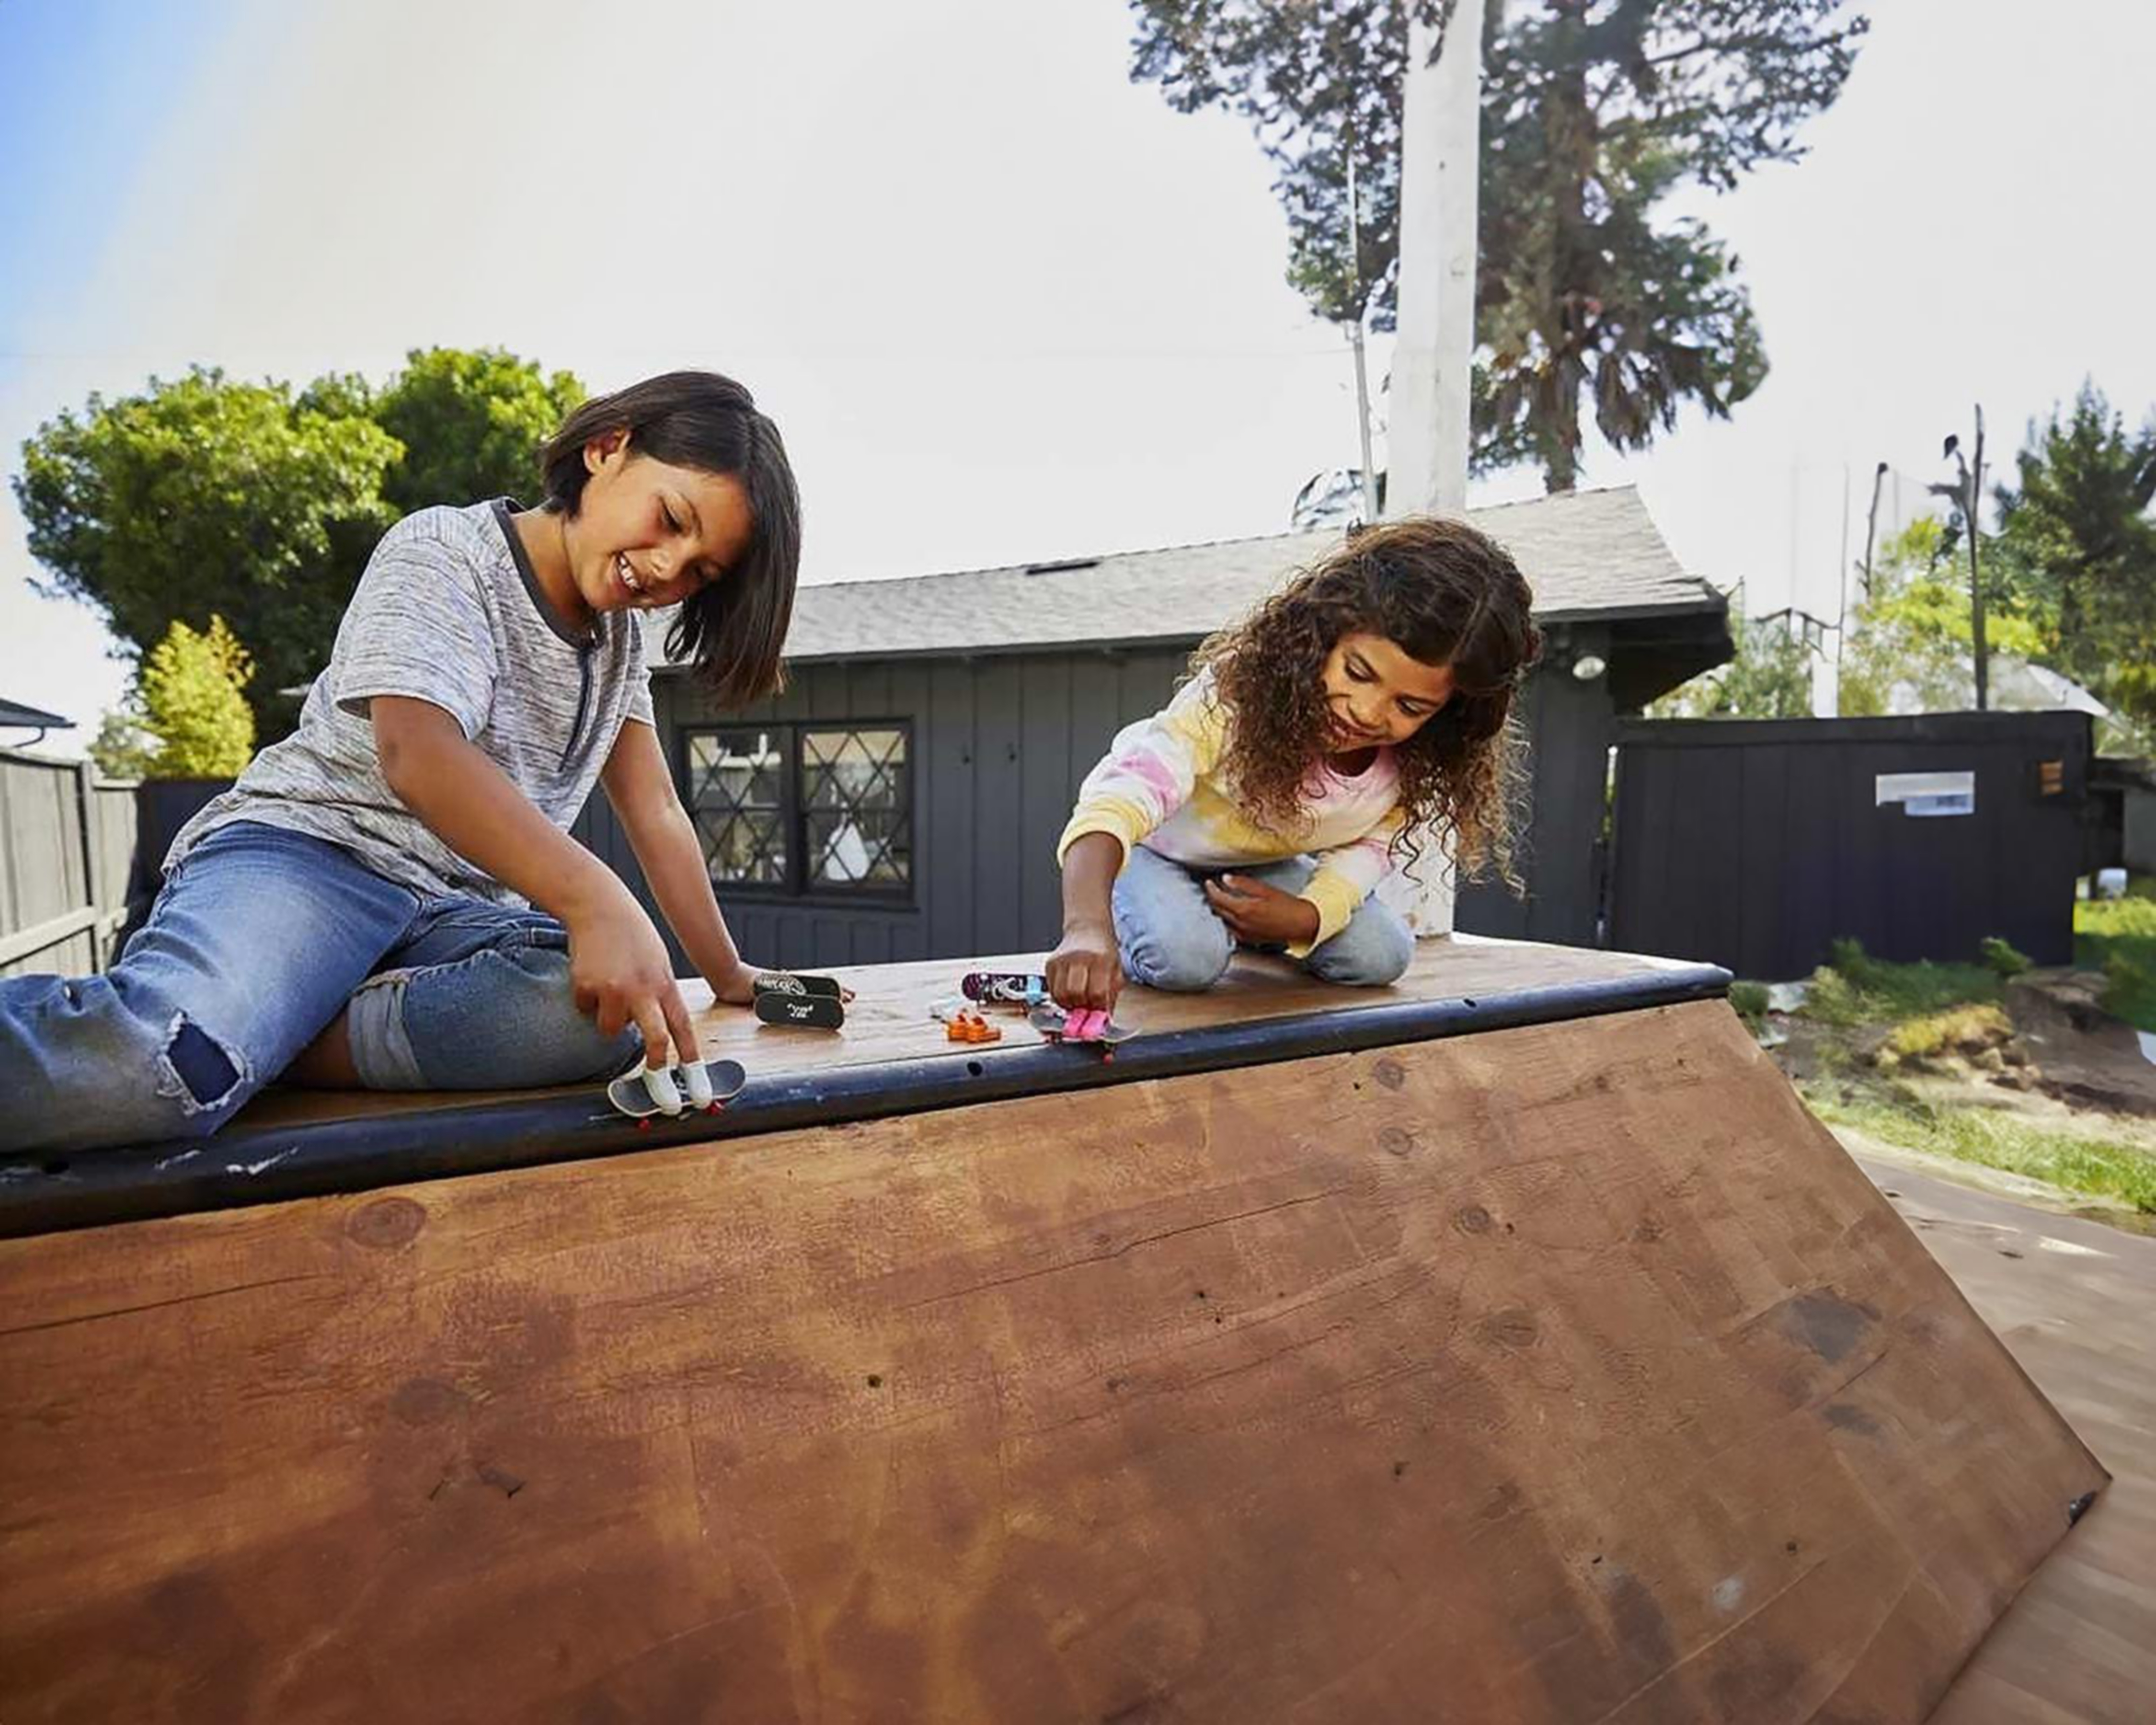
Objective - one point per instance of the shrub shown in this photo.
(2003, 957)
(1964, 1029)
(1750, 1001)
(193, 703)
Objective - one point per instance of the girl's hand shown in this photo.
(1261, 916)
(622, 975)
(1084, 971)
(735, 987)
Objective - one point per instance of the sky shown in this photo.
(1005, 304)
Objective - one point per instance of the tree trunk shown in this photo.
(1561, 460)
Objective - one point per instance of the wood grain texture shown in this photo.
(1560, 1375)
(2072, 1300)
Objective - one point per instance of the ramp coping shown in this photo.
(250, 1163)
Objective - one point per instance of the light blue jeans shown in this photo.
(258, 939)
(1171, 938)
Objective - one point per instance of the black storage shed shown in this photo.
(1755, 843)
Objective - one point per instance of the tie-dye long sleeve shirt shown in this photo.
(1161, 785)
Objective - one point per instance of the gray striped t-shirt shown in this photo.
(449, 612)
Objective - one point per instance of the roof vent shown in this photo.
(1061, 565)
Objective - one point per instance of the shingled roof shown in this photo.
(1586, 554)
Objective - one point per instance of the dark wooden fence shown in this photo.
(1753, 844)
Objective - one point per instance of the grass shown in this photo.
(1856, 989)
(1998, 1140)
(2118, 936)
(1931, 1009)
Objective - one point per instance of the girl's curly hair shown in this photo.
(1441, 593)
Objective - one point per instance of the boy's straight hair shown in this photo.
(734, 630)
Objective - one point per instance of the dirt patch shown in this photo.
(2087, 1058)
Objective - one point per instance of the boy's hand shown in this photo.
(1084, 971)
(1259, 915)
(622, 975)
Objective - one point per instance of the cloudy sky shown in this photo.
(1005, 304)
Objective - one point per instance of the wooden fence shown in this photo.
(67, 853)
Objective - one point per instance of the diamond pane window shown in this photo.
(803, 809)
(736, 797)
(853, 802)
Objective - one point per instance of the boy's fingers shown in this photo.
(681, 1027)
(612, 1013)
(651, 1026)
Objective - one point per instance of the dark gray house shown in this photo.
(902, 798)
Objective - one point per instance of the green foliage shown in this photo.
(1749, 1002)
(471, 425)
(1995, 1138)
(1769, 678)
(122, 748)
(2119, 937)
(1853, 988)
(206, 497)
(193, 703)
(2078, 526)
(201, 497)
(1915, 633)
(2003, 957)
(1593, 112)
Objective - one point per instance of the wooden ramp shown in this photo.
(1546, 1367)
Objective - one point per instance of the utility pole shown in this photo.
(1976, 576)
(1966, 490)
(1871, 526)
(1440, 150)
(1355, 341)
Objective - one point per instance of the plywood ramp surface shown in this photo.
(889, 1019)
(1564, 1375)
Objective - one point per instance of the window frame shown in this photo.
(794, 814)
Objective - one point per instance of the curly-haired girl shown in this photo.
(1261, 807)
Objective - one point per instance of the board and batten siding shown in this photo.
(1567, 725)
(997, 747)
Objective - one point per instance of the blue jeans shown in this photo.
(1171, 938)
(259, 938)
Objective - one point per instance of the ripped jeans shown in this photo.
(259, 938)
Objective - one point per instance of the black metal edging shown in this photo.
(266, 1164)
